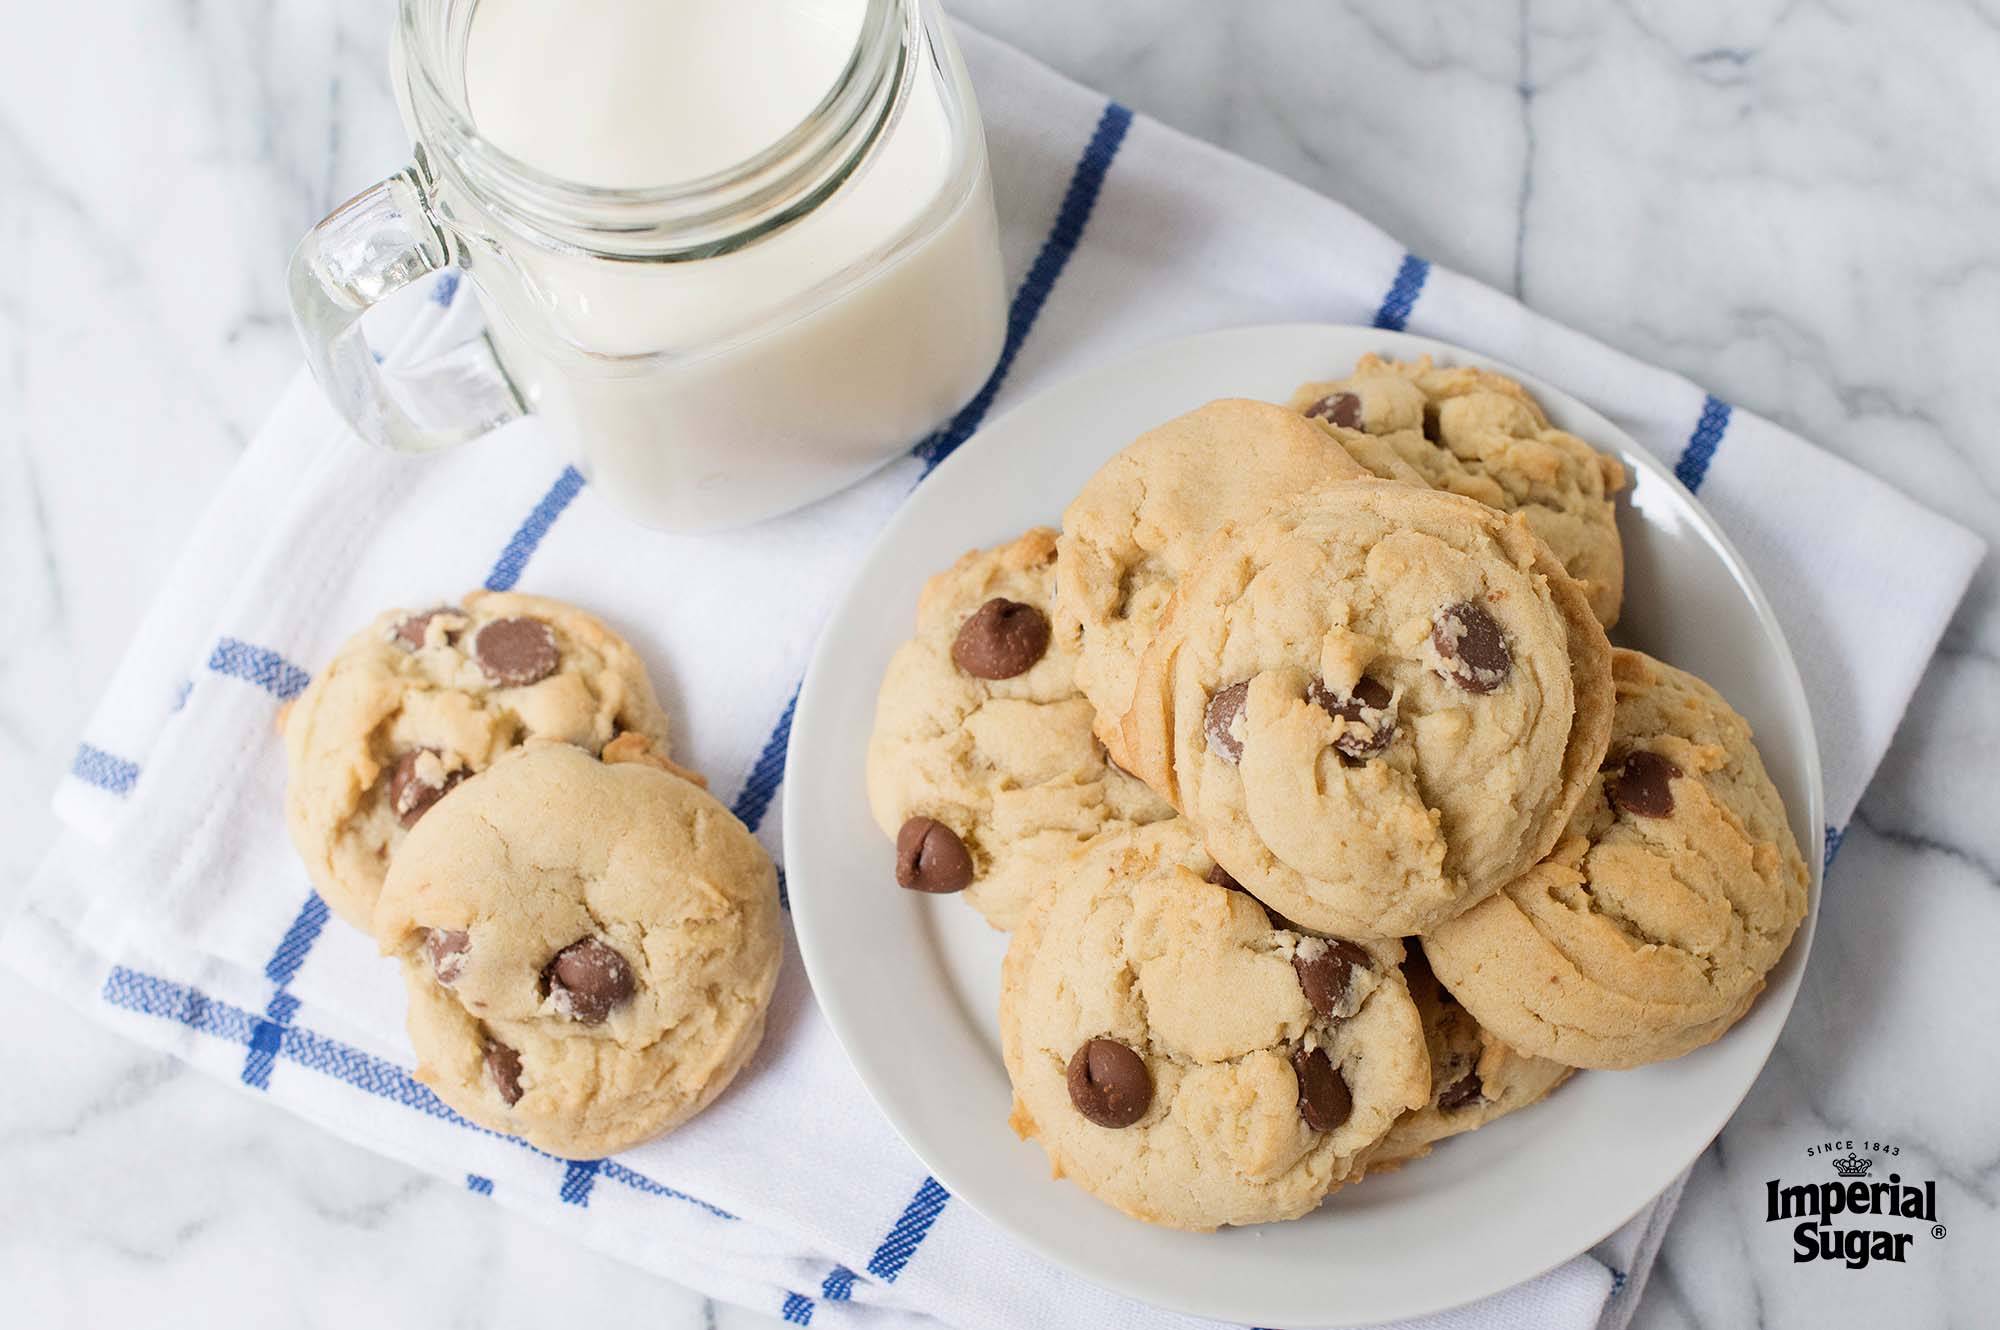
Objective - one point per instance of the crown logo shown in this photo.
(1854, 1166)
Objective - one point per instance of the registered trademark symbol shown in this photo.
(1937, 1230)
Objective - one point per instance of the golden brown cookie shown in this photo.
(1650, 928)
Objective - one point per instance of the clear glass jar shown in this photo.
(709, 351)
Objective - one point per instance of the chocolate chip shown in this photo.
(1642, 787)
(1109, 1083)
(931, 857)
(1462, 1093)
(1433, 423)
(516, 652)
(1003, 638)
(1469, 641)
(1369, 727)
(1324, 1099)
(446, 948)
(1343, 409)
(409, 633)
(411, 792)
(587, 979)
(1325, 967)
(1223, 709)
(503, 1064)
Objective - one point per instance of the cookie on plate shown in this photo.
(1474, 1077)
(1677, 886)
(983, 765)
(589, 948)
(1481, 434)
(1136, 525)
(417, 701)
(1184, 1057)
(1379, 705)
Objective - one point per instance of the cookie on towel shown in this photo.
(1379, 705)
(983, 765)
(1478, 433)
(1187, 1058)
(417, 701)
(589, 948)
(1677, 886)
(1135, 527)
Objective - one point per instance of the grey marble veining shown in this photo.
(1796, 204)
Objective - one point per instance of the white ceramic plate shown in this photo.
(911, 983)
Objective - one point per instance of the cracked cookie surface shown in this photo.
(589, 948)
(1379, 705)
(1676, 887)
(985, 736)
(1475, 1078)
(1480, 434)
(419, 700)
(1181, 1055)
(1137, 524)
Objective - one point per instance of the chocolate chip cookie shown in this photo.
(1135, 527)
(419, 700)
(1184, 1056)
(589, 948)
(1379, 705)
(1481, 434)
(983, 767)
(1474, 1077)
(1676, 887)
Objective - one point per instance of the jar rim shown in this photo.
(695, 218)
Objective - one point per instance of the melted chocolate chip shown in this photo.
(447, 948)
(503, 1064)
(516, 652)
(587, 979)
(1003, 638)
(1109, 1083)
(409, 633)
(1474, 650)
(1343, 409)
(1220, 716)
(411, 794)
(1643, 786)
(1462, 1093)
(1368, 727)
(1325, 967)
(931, 857)
(1324, 1099)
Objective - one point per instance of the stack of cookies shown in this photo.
(1325, 818)
(589, 941)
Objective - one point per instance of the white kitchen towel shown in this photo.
(174, 908)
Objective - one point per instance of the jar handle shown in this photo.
(380, 240)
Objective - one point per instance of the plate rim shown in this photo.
(1402, 345)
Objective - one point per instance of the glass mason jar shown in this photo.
(709, 351)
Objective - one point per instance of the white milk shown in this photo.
(722, 390)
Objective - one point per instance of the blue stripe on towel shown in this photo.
(477, 1185)
(1700, 450)
(150, 995)
(507, 568)
(577, 1181)
(1085, 183)
(280, 970)
(446, 288)
(839, 1285)
(797, 1310)
(1834, 836)
(912, 1227)
(1403, 293)
(260, 666)
(754, 799)
(107, 771)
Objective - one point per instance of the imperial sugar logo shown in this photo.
(1860, 1211)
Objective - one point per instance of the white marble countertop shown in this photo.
(1797, 205)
